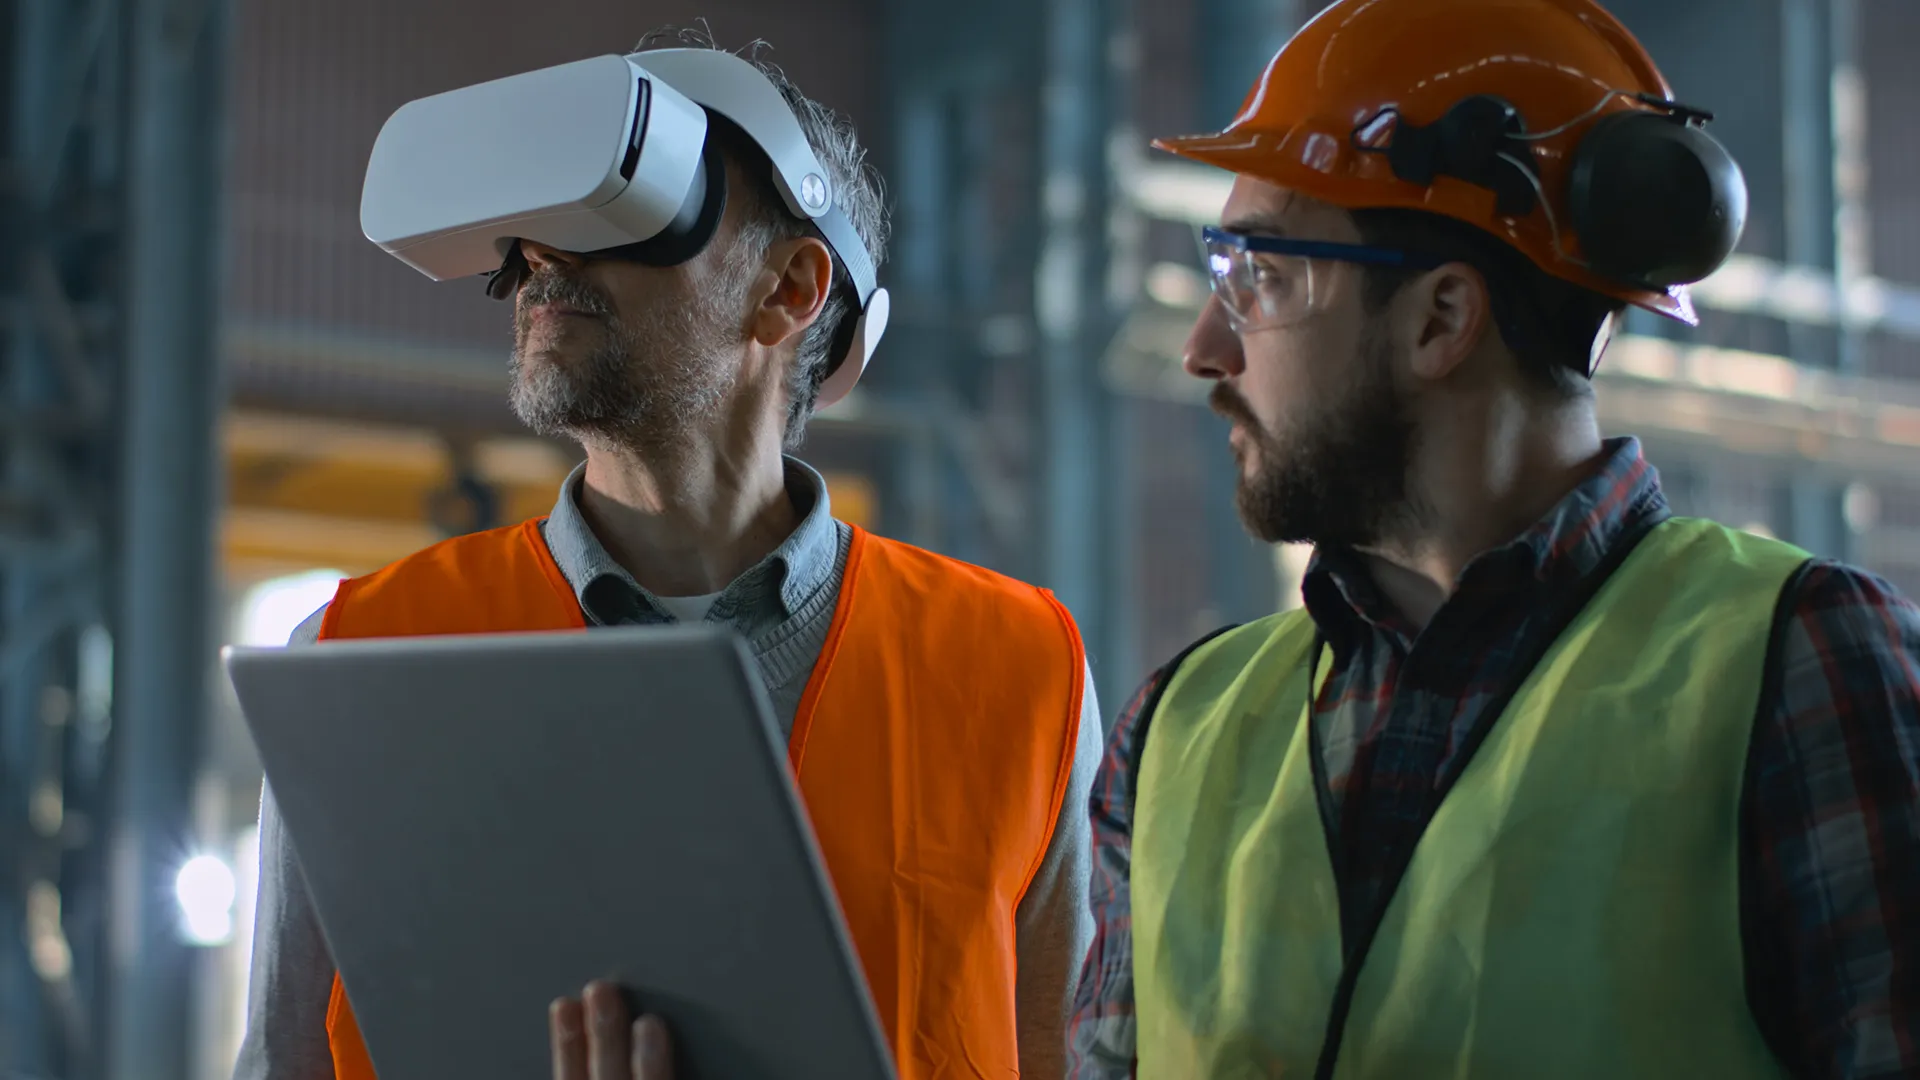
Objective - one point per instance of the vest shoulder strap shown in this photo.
(498, 581)
(925, 573)
(1251, 635)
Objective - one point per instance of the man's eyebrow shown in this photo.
(1256, 225)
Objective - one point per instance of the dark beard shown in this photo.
(1339, 478)
(637, 386)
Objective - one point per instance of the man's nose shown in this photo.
(540, 256)
(1213, 349)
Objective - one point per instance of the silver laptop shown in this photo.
(489, 822)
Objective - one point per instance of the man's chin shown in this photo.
(542, 351)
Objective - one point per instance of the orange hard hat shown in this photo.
(1366, 79)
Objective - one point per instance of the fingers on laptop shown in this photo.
(593, 1038)
(652, 1050)
(566, 1030)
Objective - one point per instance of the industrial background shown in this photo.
(216, 397)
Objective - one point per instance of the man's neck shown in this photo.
(689, 526)
(1478, 493)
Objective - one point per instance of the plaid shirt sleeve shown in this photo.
(1831, 836)
(1100, 1035)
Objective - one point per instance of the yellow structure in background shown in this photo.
(303, 492)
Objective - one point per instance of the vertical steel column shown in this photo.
(1237, 38)
(1119, 647)
(1806, 145)
(1811, 511)
(170, 416)
(917, 273)
(1847, 119)
(34, 71)
(1070, 290)
(58, 176)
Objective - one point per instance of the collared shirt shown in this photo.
(783, 607)
(1830, 836)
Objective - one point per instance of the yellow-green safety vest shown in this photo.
(1572, 908)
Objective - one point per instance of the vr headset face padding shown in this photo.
(687, 235)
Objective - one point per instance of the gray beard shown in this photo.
(645, 385)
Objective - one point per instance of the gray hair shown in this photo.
(859, 195)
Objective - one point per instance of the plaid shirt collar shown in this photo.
(1562, 547)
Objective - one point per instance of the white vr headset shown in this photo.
(607, 157)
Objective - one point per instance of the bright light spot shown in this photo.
(1862, 507)
(46, 935)
(206, 891)
(275, 608)
(1177, 286)
(1758, 529)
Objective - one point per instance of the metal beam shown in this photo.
(60, 165)
(1120, 644)
(171, 394)
(1238, 38)
(1847, 122)
(1075, 316)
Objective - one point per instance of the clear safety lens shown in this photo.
(1260, 290)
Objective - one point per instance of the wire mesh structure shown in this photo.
(108, 405)
(63, 188)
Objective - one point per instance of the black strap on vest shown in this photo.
(1137, 744)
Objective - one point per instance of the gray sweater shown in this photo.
(783, 607)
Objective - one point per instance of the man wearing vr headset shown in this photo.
(731, 237)
(1544, 781)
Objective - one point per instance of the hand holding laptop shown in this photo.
(595, 1039)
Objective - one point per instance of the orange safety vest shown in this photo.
(932, 749)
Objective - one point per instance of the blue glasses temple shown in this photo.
(1320, 249)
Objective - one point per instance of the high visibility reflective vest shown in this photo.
(1572, 908)
(932, 749)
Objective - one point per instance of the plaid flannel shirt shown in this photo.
(1830, 831)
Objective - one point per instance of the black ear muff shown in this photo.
(1479, 140)
(1655, 200)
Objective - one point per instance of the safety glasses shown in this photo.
(1265, 282)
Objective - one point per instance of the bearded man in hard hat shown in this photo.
(1544, 781)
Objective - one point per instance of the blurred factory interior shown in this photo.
(216, 397)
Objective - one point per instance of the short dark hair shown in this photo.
(1550, 324)
(858, 193)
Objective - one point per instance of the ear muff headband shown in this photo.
(1653, 198)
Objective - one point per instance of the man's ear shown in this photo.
(793, 289)
(1447, 313)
